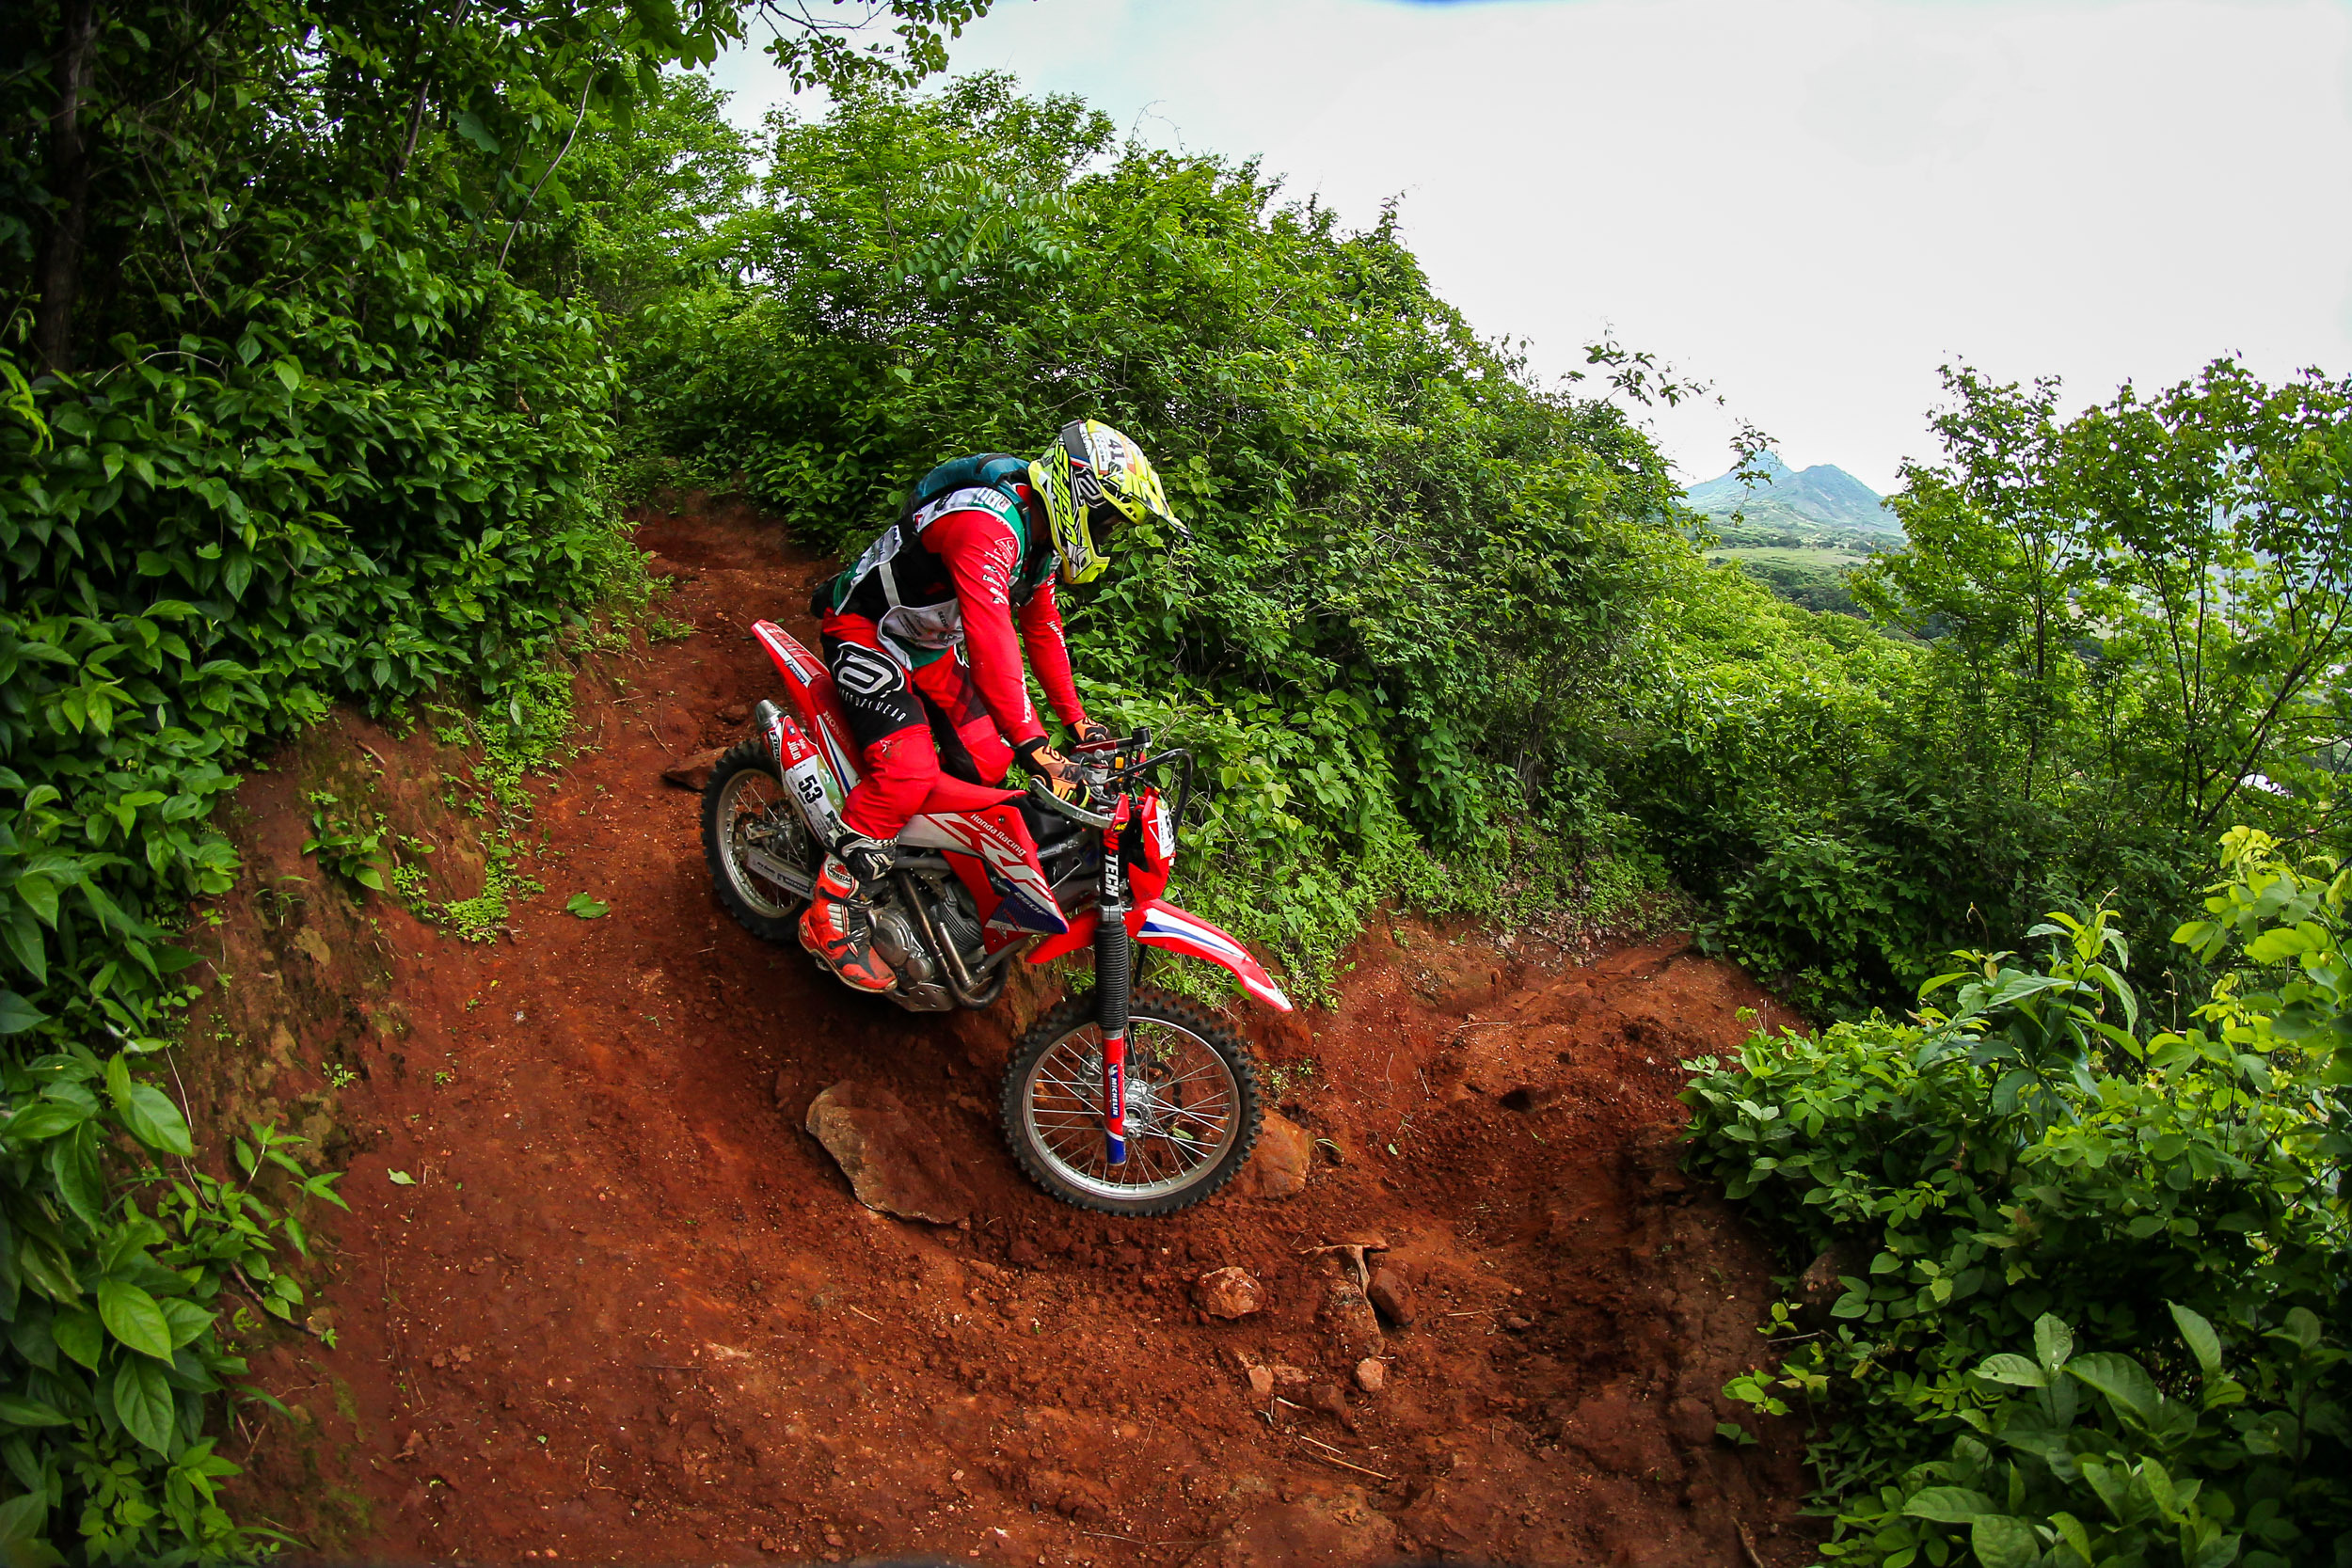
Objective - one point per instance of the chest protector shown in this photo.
(907, 590)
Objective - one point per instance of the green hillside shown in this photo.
(1823, 498)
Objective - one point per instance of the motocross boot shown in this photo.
(840, 930)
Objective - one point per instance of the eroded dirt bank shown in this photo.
(627, 1310)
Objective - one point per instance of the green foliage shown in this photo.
(280, 427)
(112, 1314)
(1803, 575)
(2108, 632)
(351, 851)
(1414, 578)
(2041, 1157)
(2095, 1464)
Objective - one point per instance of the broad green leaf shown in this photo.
(470, 127)
(2014, 1370)
(2282, 943)
(131, 1316)
(2122, 1380)
(2202, 1340)
(143, 1398)
(1949, 1505)
(16, 1014)
(23, 1541)
(2220, 1552)
(73, 1166)
(42, 1120)
(40, 894)
(19, 1410)
(2053, 1343)
(79, 1334)
(401, 1179)
(155, 1121)
(2003, 1540)
(2159, 1483)
(2114, 1490)
(188, 1320)
(586, 908)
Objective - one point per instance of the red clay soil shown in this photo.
(628, 1310)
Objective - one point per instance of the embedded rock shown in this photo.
(892, 1166)
(1227, 1292)
(692, 772)
(1277, 1166)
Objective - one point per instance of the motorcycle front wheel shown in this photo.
(1193, 1113)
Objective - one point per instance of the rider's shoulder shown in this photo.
(973, 497)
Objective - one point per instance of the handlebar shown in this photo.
(1110, 778)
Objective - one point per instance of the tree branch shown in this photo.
(60, 264)
(560, 153)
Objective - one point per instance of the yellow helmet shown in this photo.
(1094, 475)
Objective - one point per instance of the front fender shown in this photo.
(1160, 923)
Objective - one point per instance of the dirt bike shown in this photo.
(1122, 1100)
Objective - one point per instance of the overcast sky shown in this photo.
(1810, 203)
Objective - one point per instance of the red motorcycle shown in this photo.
(1124, 1101)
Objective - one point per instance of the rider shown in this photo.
(920, 636)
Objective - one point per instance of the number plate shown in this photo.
(797, 880)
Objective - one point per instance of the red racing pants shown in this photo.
(910, 724)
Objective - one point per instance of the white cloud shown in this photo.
(1812, 203)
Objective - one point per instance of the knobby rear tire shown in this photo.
(739, 889)
(1072, 1021)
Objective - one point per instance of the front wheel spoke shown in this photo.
(1083, 1093)
(1181, 1108)
(1212, 1070)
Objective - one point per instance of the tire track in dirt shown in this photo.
(627, 1310)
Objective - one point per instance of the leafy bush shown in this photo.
(279, 431)
(1413, 574)
(2042, 1157)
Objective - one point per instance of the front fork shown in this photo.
(1114, 977)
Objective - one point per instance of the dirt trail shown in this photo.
(628, 1310)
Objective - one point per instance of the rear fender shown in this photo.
(810, 683)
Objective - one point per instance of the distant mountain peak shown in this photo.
(1823, 495)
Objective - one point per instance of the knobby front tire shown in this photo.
(1193, 1111)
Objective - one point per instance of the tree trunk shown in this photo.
(59, 267)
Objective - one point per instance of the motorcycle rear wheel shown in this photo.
(763, 858)
(1193, 1111)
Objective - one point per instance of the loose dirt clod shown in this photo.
(1228, 1293)
(1390, 1298)
(1352, 1321)
(1371, 1376)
